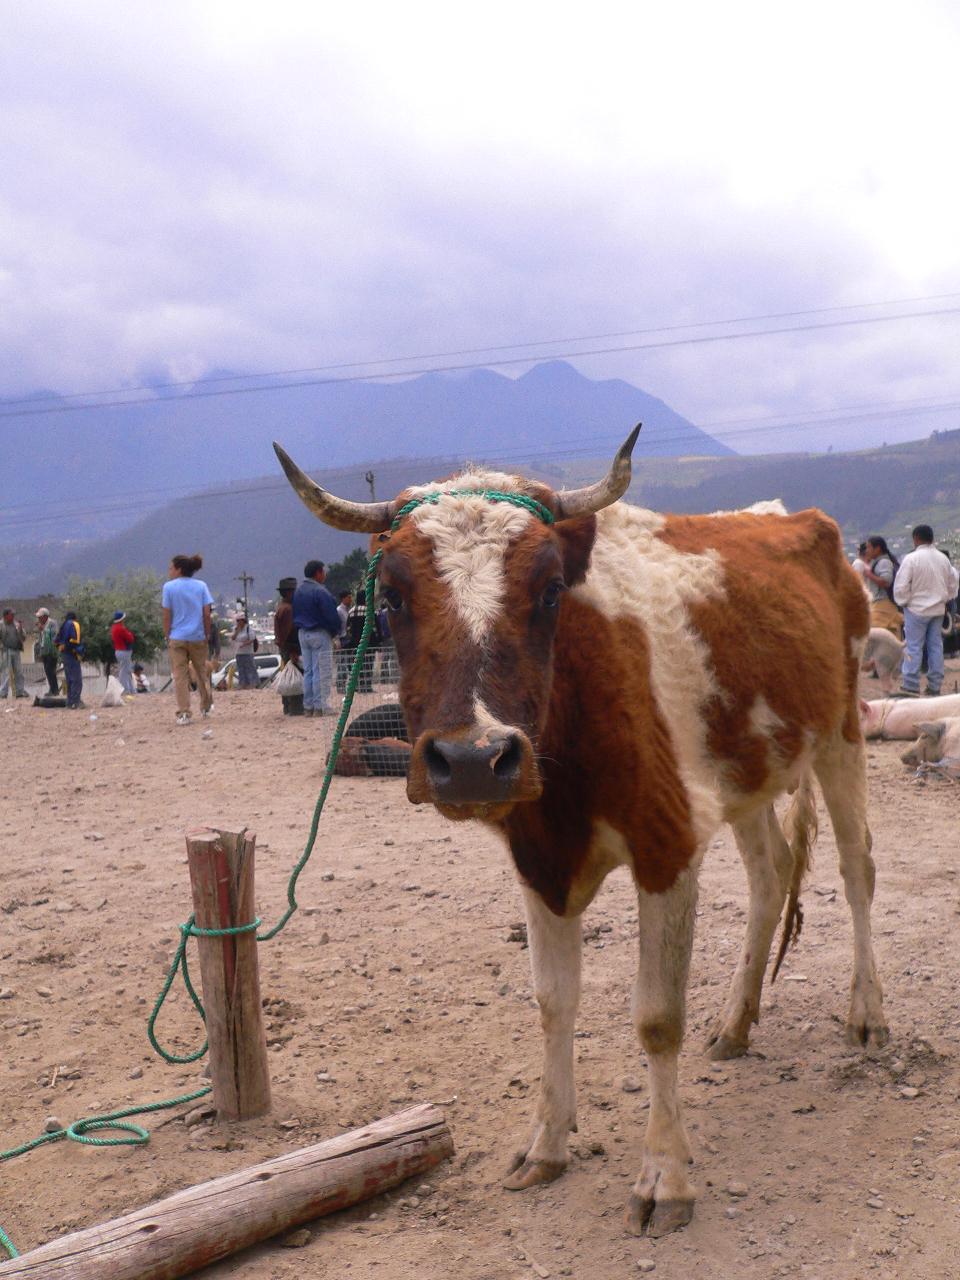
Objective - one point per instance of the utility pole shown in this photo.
(247, 580)
(370, 478)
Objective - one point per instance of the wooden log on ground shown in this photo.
(203, 1224)
(221, 877)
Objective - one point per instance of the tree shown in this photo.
(347, 574)
(95, 601)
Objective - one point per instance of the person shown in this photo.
(878, 575)
(47, 646)
(860, 566)
(925, 585)
(186, 624)
(351, 641)
(140, 681)
(12, 640)
(288, 641)
(245, 641)
(342, 658)
(123, 639)
(214, 645)
(70, 644)
(317, 621)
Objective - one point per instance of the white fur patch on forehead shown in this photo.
(497, 480)
(470, 537)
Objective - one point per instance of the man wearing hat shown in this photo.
(288, 639)
(122, 639)
(11, 647)
(47, 647)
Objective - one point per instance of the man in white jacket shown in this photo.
(924, 584)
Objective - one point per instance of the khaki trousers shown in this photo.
(193, 654)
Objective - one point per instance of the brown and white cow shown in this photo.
(605, 686)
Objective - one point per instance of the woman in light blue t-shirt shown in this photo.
(186, 623)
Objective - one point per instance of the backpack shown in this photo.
(889, 590)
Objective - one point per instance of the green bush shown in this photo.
(95, 601)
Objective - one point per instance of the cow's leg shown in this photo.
(662, 1197)
(555, 946)
(842, 775)
(769, 863)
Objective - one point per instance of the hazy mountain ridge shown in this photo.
(176, 443)
(262, 528)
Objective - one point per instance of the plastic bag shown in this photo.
(113, 696)
(289, 681)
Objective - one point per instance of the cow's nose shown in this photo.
(485, 772)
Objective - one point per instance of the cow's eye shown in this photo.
(551, 596)
(393, 599)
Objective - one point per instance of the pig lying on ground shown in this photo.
(939, 741)
(883, 653)
(899, 718)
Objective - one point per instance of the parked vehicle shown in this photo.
(268, 664)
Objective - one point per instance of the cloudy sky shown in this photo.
(198, 186)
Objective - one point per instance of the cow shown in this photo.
(899, 717)
(604, 686)
(938, 743)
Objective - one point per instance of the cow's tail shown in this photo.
(800, 830)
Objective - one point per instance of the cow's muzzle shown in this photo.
(473, 775)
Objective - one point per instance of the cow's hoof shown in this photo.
(525, 1173)
(863, 1036)
(720, 1047)
(656, 1217)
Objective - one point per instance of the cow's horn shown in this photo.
(594, 497)
(339, 513)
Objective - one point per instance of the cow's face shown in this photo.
(475, 587)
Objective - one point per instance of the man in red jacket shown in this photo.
(122, 639)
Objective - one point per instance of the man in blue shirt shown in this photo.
(186, 624)
(317, 621)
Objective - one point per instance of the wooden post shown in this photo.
(193, 1228)
(221, 876)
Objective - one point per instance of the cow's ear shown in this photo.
(933, 729)
(576, 544)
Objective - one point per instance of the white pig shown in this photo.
(883, 653)
(939, 740)
(899, 717)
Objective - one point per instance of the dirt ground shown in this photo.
(401, 980)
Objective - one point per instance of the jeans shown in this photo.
(74, 676)
(316, 648)
(194, 654)
(49, 661)
(12, 665)
(124, 659)
(917, 631)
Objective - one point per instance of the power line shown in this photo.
(586, 447)
(462, 368)
(34, 402)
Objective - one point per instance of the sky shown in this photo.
(197, 187)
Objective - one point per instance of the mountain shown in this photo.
(91, 458)
(262, 528)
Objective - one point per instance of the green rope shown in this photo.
(78, 1131)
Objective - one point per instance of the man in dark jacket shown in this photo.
(356, 620)
(317, 621)
(287, 640)
(71, 649)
